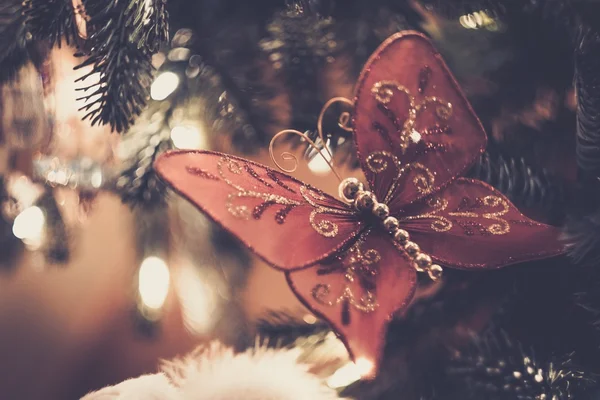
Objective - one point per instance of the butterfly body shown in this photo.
(354, 261)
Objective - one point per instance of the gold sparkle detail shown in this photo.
(355, 261)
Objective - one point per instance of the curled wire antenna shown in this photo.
(343, 123)
(286, 155)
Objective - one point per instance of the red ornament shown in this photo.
(356, 265)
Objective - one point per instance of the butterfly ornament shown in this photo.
(354, 261)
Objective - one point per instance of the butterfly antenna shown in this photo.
(343, 123)
(291, 157)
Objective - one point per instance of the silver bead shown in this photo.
(435, 272)
(423, 260)
(412, 249)
(381, 211)
(401, 236)
(391, 224)
(365, 201)
(349, 188)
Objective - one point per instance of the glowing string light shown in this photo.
(164, 85)
(153, 282)
(350, 373)
(188, 137)
(29, 226)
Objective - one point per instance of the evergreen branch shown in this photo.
(495, 367)
(157, 30)
(457, 8)
(15, 38)
(51, 20)
(282, 329)
(587, 84)
(522, 184)
(582, 235)
(120, 52)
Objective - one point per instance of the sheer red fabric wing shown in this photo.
(408, 106)
(471, 225)
(359, 292)
(284, 221)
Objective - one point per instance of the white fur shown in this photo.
(216, 372)
(146, 387)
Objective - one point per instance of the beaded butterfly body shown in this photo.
(354, 262)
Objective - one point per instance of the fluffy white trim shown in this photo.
(216, 372)
(146, 387)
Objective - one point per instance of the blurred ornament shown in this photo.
(136, 182)
(25, 118)
(82, 173)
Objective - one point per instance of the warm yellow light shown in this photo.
(318, 164)
(477, 20)
(198, 300)
(164, 85)
(310, 319)
(29, 224)
(350, 373)
(153, 282)
(364, 366)
(188, 137)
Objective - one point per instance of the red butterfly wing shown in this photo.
(409, 108)
(471, 225)
(358, 292)
(286, 222)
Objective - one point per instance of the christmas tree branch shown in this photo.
(120, 49)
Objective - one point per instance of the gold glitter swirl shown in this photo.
(324, 227)
(423, 178)
(443, 224)
(443, 109)
(501, 226)
(354, 261)
(439, 223)
(366, 303)
(311, 196)
(379, 161)
(384, 91)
